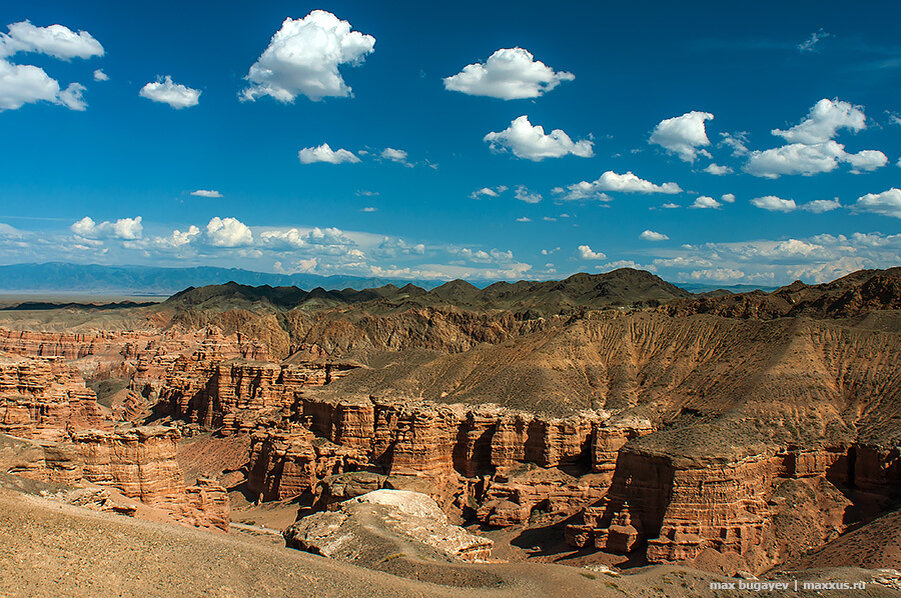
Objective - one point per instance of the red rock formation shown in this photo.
(44, 398)
(441, 450)
(511, 498)
(141, 464)
(289, 463)
(226, 383)
(71, 346)
(678, 507)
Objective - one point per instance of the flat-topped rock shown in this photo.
(386, 524)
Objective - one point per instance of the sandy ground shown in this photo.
(50, 549)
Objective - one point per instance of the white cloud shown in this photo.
(9, 231)
(824, 121)
(508, 74)
(303, 58)
(56, 40)
(488, 192)
(579, 191)
(206, 193)
(393, 247)
(670, 206)
(327, 241)
(71, 97)
(794, 248)
(816, 259)
(809, 45)
(866, 160)
(683, 262)
(811, 148)
(630, 183)
(395, 155)
(324, 153)
(682, 135)
(887, 203)
(736, 142)
(25, 84)
(795, 158)
(772, 203)
(177, 238)
(718, 170)
(650, 235)
(523, 194)
(728, 197)
(284, 239)
(820, 206)
(524, 219)
(167, 91)
(99, 75)
(531, 142)
(123, 228)
(585, 252)
(705, 202)
(492, 256)
(611, 181)
(718, 274)
(228, 232)
(369, 209)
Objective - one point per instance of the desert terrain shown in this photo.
(607, 434)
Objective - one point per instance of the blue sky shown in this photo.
(770, 132)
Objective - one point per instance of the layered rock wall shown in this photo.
(678, 508)
(44, 398)
(502, 464)
(141, 464)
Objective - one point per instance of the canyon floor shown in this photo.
(607, 434)
(48, 549)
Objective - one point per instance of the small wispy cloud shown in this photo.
(206, 193)
(809, 44)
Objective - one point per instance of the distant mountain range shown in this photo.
(64, 278)
(621, 287)
(57, 277)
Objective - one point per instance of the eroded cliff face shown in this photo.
(141, 463)
(758, 509)
(497, 464)
(71, 346)
(45, 398)
(677, 437)
(218, 391)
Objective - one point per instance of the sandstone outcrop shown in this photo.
(44, 398)
(498, 464)
(676, 508)
(141, 464)
(71, 346)
(284, 464)
(513, 497)
(386, 524)
(134, 464)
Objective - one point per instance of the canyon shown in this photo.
(618, 413)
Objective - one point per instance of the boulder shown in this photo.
(383, 525)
